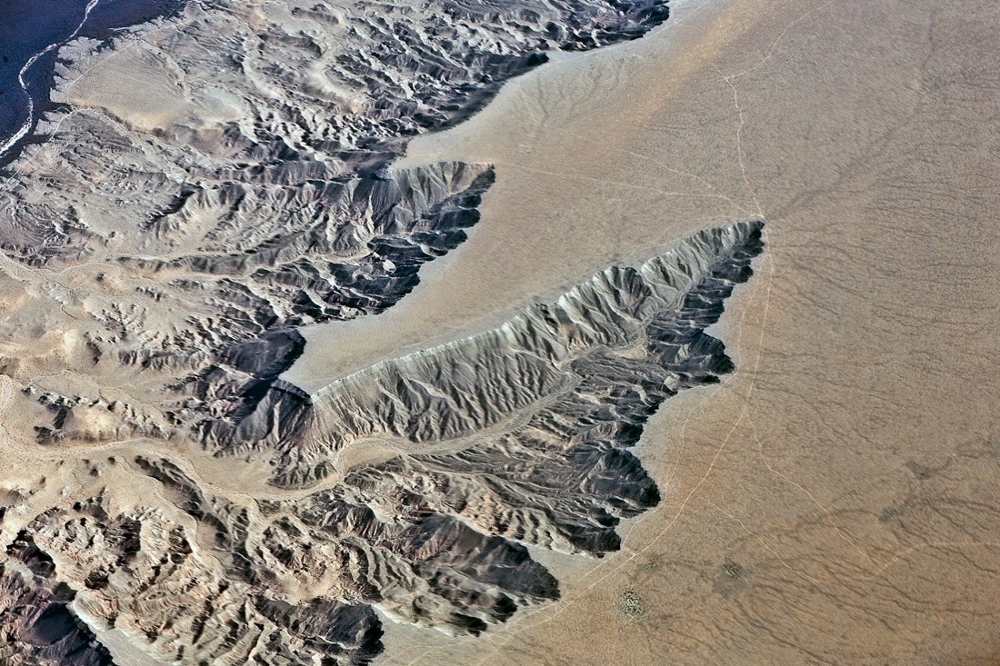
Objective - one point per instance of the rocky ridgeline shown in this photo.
(254, 194)
(37, 625)
(515, 437)
(170, 264)
(602, 336)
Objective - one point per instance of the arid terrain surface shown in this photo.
(320, 347)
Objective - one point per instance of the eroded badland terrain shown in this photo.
(678, 348)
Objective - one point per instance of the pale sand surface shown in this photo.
(834, 501)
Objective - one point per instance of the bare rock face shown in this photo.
(146, 576)
(160, 252)
(627, 339)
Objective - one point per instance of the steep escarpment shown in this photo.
(628, 338)
(41, 630)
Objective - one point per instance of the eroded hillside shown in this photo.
(213, 183)
(516, 436)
